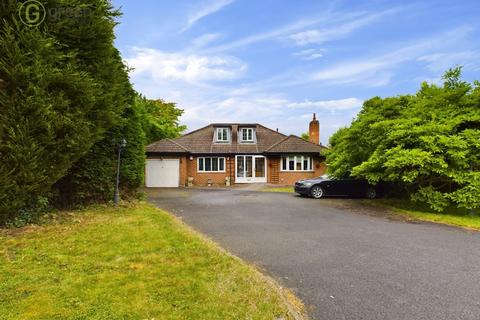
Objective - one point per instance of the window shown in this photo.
(222, 135)
(291, 164)
(297, 163)
(246, 135)
(211, 164)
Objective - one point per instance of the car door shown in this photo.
(349, 187)
(357, 187)
(334, 187)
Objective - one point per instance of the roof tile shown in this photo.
(201, 141)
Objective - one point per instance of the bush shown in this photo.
(64, 86)
(428, 142)
(92, 178)
(65, 103)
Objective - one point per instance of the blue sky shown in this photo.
(276, 62)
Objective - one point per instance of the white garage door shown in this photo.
(162, 173)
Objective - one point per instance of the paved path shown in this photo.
(343, 263)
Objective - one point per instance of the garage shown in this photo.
(162, 173)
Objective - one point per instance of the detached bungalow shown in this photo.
(227, 153)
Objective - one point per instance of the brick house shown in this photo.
(223, 153)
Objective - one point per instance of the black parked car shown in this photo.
(328, 186)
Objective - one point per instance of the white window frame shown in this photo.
(211, 161)
(296, 159)
(252, 130)
(223, 129)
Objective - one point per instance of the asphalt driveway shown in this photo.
(342, 262)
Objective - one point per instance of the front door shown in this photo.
(250, 169)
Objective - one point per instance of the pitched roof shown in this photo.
(294, 144)
(167, 146)
(201, 141)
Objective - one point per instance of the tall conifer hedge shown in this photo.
(65, 98)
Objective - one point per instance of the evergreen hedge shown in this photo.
(65, 97)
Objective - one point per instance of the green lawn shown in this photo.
(452, 216)
(135, 262)
(278, 189)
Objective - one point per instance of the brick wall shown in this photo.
(217, 178)
(188, 168)
(289, 178)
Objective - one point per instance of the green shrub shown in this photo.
(63, 86)
(428, 142)
(92, 178)
(65, 103)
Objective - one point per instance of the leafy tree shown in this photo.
(159, 119)
(429, 142)
(92, 178)
(64, 86)
(305, 136)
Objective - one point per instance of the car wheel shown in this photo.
(317, 192)
(371, 193)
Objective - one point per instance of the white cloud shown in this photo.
(262, 108)
(442, 61)
(314, 56)
(204, 39)
(337, 31)
(271, 110)
(331, 105)
(349, 72)
(378, 70)
(210, 8)
(191, 68)
(239, 103)
(310, 54)
(282, 32)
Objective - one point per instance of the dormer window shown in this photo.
(247, 135)
(222, 135)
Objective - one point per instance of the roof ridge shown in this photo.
(277, 143)
(294, 136)
(189, 133)
(261, 125)
(319, 144)
(178, 144)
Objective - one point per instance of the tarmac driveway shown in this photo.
(341, 261)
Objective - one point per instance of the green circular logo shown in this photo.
(32, 13)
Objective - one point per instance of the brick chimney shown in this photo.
(314, 130)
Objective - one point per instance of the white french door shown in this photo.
(250, 169)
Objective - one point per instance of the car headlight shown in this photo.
(307, 184)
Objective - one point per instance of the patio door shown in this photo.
(250, 169)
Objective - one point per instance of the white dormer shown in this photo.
(247, 135)
(222, 135)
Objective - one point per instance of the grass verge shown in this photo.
(278, 189)
(134, 262)
(411, 210)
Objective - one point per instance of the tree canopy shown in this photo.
(159, 119)
(65, 85)
(65, 98)
(91, 178)
(428, 142)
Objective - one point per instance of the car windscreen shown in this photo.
(325, 177)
